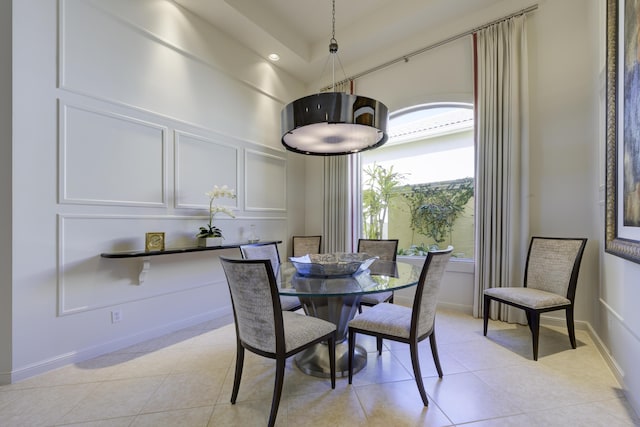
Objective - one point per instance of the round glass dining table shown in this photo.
(336, 299)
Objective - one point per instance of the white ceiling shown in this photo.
(299, 30)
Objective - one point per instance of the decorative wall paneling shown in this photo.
(88, 282)
(201, 163)
(265, 182)
(109, 158)
(162, 124)
(91, 223)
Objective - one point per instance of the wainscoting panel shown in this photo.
(202, 163)
(86, 281)
(108, 158)
(265, 182)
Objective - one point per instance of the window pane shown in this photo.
(418, 187)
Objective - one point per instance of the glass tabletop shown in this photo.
(381, 276)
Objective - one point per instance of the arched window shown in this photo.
(419, 186)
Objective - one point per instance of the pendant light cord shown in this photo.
(333, 45)
(333, 52)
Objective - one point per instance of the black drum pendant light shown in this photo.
(333, 123)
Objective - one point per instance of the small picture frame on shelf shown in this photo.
(154, 241)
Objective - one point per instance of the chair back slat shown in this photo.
(384, 249)
(303, 245)
(553, 263)
(426, 298)
(256, 308)
(268, 251)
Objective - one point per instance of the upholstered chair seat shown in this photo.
(389, 319)
(370, 300)
(532, 298)
(297, 333)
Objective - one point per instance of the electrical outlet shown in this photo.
(116, 316)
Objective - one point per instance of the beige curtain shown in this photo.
(502, 188)
(339, 171)
(336, 204)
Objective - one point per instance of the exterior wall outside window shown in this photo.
(440, 157)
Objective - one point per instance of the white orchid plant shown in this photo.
(218, 192)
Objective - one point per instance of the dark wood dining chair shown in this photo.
(270, 251)
(263, 328)
(303, 245)
(404, 324)
(550, 281)
(385, 250)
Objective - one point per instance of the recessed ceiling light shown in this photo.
(274, 57)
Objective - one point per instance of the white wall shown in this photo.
(616, 314)
(119, 129)
(5, 191)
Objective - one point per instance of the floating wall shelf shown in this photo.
(146, 256)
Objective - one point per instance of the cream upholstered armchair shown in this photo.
(270, 251)
(550, 280)
(385, 250)
(263, 328)
(404, 324)
(303, 245)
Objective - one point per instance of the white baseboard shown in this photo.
(600, 346)
(220, 317)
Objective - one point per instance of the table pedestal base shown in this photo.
(315, 360)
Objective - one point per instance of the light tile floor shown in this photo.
(185, 379)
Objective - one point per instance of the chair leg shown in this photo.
(534, 324)
(529, 321)
(391, 299)
(434, 352)
(487, 301)
(238, 374)
(277, 390)
(352, 348)
(379, 345)
(415, 362)
(571, 327)
(332, 360)
(359, 308)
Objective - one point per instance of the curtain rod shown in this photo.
(405, 58)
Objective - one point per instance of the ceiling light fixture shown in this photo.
(333, 123)
(274, 57)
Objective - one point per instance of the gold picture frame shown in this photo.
(620, 237)
(154, 241)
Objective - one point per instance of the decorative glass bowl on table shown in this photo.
(332, 265)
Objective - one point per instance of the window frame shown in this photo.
(357, 163)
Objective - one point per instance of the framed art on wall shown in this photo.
(622, 204)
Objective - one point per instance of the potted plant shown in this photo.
(210, 235)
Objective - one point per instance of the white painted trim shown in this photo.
(79, 97)
(60, 283)
(220, 317)
(62, 150)
(248, 208)
(177, 134)
(582, 325)
(455, 265)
